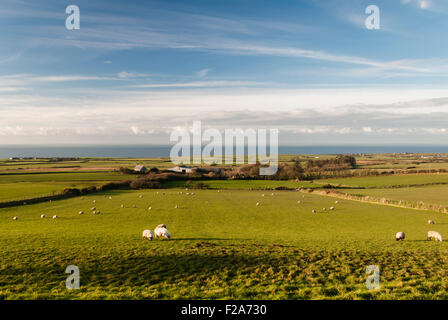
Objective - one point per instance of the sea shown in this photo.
(155, 151)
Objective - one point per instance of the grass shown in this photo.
(428, 194)
(388, 180)
(223, 247)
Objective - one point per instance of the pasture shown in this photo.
(223, 247)
(388, 180)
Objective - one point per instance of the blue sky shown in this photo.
(136, 70)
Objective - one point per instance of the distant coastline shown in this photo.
(154, 151)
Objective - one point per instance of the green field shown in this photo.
(30, 185)
(437, 194)
(389, 180)
(223, 246)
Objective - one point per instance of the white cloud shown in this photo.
(202, 73)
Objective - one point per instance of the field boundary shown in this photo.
(380, 201)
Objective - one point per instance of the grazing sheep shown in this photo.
(434, 235)
(262, 195)
(325, 209)
(98, 212)
(257, 204)
(192, 193)
(331, 208)
(140, 196)
(93, 208)
(313, 211)
(94, 211)
(399, 236)
(162, 232)
(110, 198)
(431, 222)
(15, 218)
(81, 212)
(150, 208)
(299, 202)
(336, 202)
(176, 206)
(94, 201)
(134, 206)
(272, 194)
(42, 216)
(55, 217)
(147, 234)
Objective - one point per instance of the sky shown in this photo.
(137, 70)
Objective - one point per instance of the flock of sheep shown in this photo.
(162, 232)
(159, 232)
(432, 235)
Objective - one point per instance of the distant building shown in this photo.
(182, 169)
(140, 168)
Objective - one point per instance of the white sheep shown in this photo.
(399, 236)
(262, 195)
(434, 235)
(42, 216)
(162, 232)
(93, 208)
(94, 201)
(150, 208)
(55, 217)
(15, 218)
(147, 234)
(98, 212)
(122, 206)
(299, 202)
(325, 209)
(134, 206)
(110, 198)
(336, 202)
(431, 222)
(257, 204)
(176, 206)
(331, 208)
(313, 211)
(94, 211)
(140, 196)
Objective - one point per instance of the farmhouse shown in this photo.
(140, 168)
(182, 169)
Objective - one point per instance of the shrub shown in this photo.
(143, 184)
(71, 191)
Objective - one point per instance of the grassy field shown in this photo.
(223, 246)
(429, 194)
(29, 185)
(388, 180)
